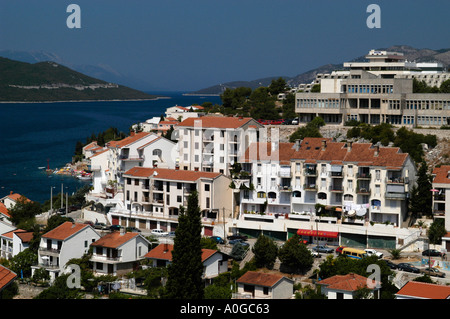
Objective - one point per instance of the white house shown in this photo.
(10, 200)
(118, 253)
(258, 285)
(58, 246)
(14, 242)
(183, 112)
(345, 286)
(214, 262)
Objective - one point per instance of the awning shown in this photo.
(336, 168)
(315, 233)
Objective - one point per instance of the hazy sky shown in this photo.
(193, 44)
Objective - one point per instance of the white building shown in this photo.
(14, 242)
(441, 198)
(184, 112)
(213, 144)
(346, 286)
(58, 246)
(118, 253)
(258, 285)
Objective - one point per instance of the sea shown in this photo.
(34, 136)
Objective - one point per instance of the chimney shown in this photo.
(297, 144)
(377, 151)
(166, 247)
(10, 192)
(349, 146)
(324, 145)
(132, 133)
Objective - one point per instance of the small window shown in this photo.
(207, 187)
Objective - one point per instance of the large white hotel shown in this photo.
(379, 90)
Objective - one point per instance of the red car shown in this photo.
(339, 249)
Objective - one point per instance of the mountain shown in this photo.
(410, 53)
(50, 81)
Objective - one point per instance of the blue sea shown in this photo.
(36, 134)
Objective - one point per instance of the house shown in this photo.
(164, 126)
(213, 143)
(118, 253)
(90, 149)
(260, 285)
(6, 278)
(4, 213)
(14, 242)
(152, 198)
(68, 240)
(421, 290)
(345, 286)
(10, 200)
(181, 112)
(214, 262)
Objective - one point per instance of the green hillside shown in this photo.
(49, 81)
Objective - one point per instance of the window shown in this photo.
(207, 202)
(178, 199)
(207, 187)
(196, 145)
(136, 182)
(85, 244)
(179, 185)
(197, 158)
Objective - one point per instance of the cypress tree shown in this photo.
(185, 272)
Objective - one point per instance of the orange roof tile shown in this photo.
(15, 197)
(349, 282)
(164, 252)
(260, 279)
(4, 210)
(216, 122)
(64, 231)
(6, 277)
(128, 140)
(114, 239)
(424, 290)
(10, 233)
(170, 174)
(442, 174)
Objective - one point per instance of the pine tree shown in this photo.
(265, 251)
(185, 272)
(424, 195)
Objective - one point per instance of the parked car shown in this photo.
(242, 237)
(323, 249)
(88, 222)
(287, 121)
(171, 234)
(390, 264)
(217, 239)
(408, 267)
(339, 250)
(74, 208)
(159, 232)
(114, 227)
(101, 226)
(373, 252)
(133, 229)
(315, 254)
(238, 241)
(432, 272)
(431, 252)
(295, 121)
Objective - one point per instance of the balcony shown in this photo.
(363, 175)
(336, 188)
(395, 196)
(310, 172)
(310, 187)
(363, 190)
(396, 180)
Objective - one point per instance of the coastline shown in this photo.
(77, 101)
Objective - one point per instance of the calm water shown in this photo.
(33, 133)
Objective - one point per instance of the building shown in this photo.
(6, 278)
(153, 196)
(441, 198)
(118, 253)
(346, 286)
(258, 285)
(184, 112)
(378, 91)
(58, 246)
(421, 290)
(318, 184)
(214, 262)
(14, 242)
(212, 143)
(10, 200)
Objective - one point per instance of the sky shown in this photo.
(185, 45)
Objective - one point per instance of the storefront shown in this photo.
(319, 237)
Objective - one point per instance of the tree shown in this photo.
(23, 213)
(277, 86)
(437, 231)
(186, 270)
(265, 251)
(295, 256)
(312, 129)
(289, 106)
(59, 290)
(238, 252)
(423, 200)
(445, 87)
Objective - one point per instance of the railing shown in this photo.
(310, 187)
(396, 180)
(363, 175)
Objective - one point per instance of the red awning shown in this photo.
(315, 233)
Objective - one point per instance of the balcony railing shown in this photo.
(312, 187)
(363, 175)
(399, 196)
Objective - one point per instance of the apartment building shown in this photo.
(377, 92)
(353, 183)
(213, 143)
(153, 196)
(441, 198)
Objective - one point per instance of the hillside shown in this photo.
(50, 81)
(411, 54)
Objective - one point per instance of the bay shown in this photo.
(36, 134)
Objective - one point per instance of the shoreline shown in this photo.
(77, 101)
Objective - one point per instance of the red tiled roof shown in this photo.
(10, 233)
(424, 290)
(170, 174)
(25, 236)
(15, 197)
(6, 277)
(164, 252)
(442, 174)
(128, 140)
(4, 210)
(114, 239)
(349, 282)
(314, 149)
(260, 279)
(216, 122)
(64, 231)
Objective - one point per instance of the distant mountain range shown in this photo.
(50, 81)
(411, 54)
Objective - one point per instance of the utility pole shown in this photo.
(62, 195)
